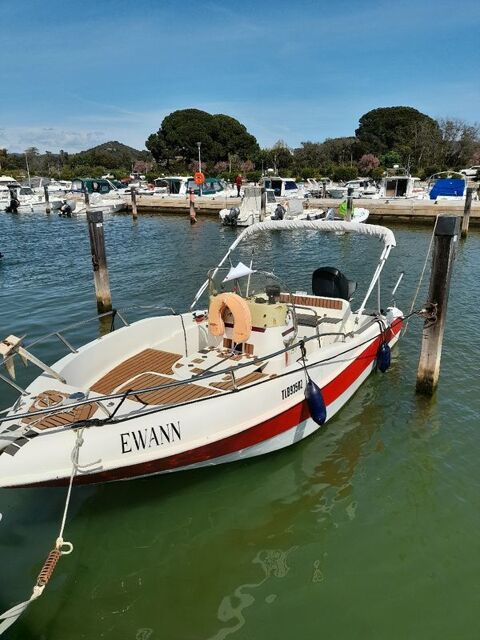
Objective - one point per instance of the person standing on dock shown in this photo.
(238, 184)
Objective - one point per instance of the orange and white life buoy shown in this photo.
(242, 319)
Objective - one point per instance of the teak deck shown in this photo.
(172, 395)
(148, 360)
(60, 419)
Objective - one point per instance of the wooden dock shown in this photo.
(408, 211)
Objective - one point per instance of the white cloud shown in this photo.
(49, 138)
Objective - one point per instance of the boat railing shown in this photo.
(230, 371)
(59, 334)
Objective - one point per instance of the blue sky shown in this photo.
(75, 74)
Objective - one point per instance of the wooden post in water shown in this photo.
(99, 261)
(87, 198)
(133, 194)
(466, 211)
(324, 189)
(349, 214)
(444, 247)
(193, 213)
(263, 204)
(47, 198)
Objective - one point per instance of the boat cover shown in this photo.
(447, 187)
(322, 226)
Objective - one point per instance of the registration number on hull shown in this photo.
(291, 389)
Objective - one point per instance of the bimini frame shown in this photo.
(322, 226)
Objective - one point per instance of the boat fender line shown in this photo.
(313, 394)
(384, 353)
(62, 548)
(242, 318)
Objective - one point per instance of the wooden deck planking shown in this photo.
(52, 397)
(182, 393)
(147, 360)
(240, 382)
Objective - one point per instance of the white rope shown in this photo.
(65, 548)
(427, 257)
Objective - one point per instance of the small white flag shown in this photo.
(239, 271)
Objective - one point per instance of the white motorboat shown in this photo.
(181, 186)
(282, 187)
(401, 185)
(447, 185)
(361, 188)
(260, 370)
(26, 197)
(102, 196)
(249, 211)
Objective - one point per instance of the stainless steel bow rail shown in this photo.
(17, 348)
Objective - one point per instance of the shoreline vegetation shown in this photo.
(385, 137)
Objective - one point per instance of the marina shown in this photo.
(239, 251)
(384, 472)
(386, 211)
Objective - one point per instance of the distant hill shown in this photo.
(113, 154)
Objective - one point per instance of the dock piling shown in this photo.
(466, 211)
(263, 204)
(193, 213)
(349, 214)
(444, 247)
(133, 193)
(47, 198)
(99, 261)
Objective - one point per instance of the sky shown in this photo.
(76, 74)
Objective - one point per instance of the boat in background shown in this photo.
(361, 188)
(249, 211)
(400, 185)
(181, 186)
(27, 199)
(282, 187)
(262, 369)
(447, 185)
(102, 196)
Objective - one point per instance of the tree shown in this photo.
(220, 136)
(310, 154)
(459, 142)
(341, 150)
(367, 163)
(401, 129)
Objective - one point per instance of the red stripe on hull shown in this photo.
(252, 436)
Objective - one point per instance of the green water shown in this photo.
(367, 530)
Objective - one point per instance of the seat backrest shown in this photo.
(330, 282)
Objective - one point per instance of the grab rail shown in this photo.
(174, 383)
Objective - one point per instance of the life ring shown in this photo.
(242, 318)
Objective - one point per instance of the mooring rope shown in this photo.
(62, 548)
(417, 291)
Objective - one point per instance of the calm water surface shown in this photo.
(367, 530)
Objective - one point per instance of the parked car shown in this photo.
(471, 172)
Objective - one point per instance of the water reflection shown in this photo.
(268, 546)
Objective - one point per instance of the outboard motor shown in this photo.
(65, 210)
(13, 206)
(232, 216)
(279, 212)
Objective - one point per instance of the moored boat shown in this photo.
(200, 388)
